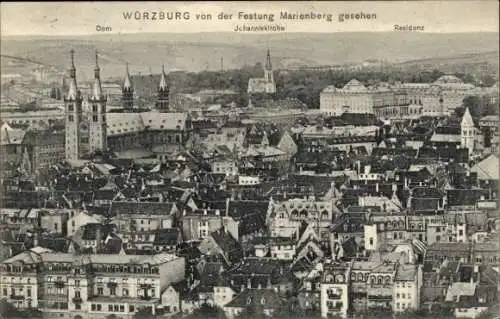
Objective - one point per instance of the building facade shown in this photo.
(93, 286)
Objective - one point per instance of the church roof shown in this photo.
(123, 123)
(467, 119)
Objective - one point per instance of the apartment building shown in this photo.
(93, 286)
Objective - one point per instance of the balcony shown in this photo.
(112, 284)
(332, 295)
(77, 300)
(334, 306)
(146, 286)
(16, 297)
(380, 297)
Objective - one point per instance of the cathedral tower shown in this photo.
(468, 132)
(127, 92)
(73, 115)
(162, 102)
(97, 113)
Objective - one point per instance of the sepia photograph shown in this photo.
(260, 160)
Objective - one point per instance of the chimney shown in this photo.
(35, 239)
(377, 188)
(249, 283)
(98, 237)
(367, 169)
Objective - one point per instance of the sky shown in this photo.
(82, 18)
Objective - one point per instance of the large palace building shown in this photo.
(400, 100)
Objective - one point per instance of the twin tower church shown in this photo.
(90, 128)
(87, 129)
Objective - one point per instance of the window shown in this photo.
(371, 240)
(70, 118)
(94, 108)
(95, 118)
(110, 308)
(116, 308)
(100, 291)
(125, 292)
(99, 307)
(78, 306)
(438, 238)
(5, 292)
(77, 283)
(131, 308)
(77, 294)
(93, 307)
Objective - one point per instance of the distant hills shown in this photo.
(201, 51)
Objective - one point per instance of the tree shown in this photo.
(208, 311)
(488, 80)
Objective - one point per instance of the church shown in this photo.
(265, 84)
(89, 128)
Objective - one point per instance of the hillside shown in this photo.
(201, 51)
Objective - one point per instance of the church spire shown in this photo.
(127, 91)
(467, 119)
(96, 87)
(163, 80)
(162, 102)
(268, 60)
(127, 83)
(96, 69)
(73, 89)
(72, 70)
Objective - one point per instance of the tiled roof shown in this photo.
(126, 123)
(148, 208)
(256, 298)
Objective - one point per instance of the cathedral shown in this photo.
(89, 128)
(265, 84)
(85, 129)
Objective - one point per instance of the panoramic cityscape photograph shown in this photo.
(233, 160)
